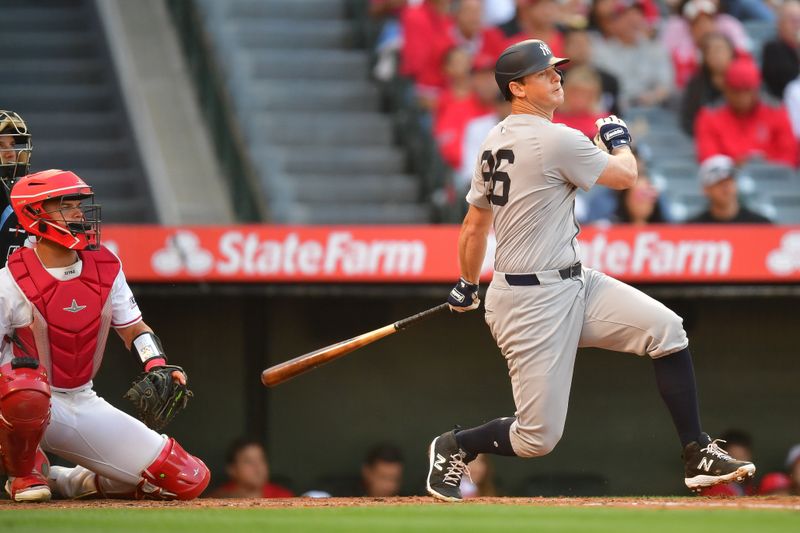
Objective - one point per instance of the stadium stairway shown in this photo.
(310, 113)
(59, 77)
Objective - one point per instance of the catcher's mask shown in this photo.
(73, 222)
(15, 149)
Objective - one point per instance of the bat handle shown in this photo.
(410, 321)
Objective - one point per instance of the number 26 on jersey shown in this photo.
(494, 177)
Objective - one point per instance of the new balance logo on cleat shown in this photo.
(710, 465)
(446, 468)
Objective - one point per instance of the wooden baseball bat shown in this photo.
(277, 374)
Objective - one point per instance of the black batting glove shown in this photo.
(464, 296)
(612, 132)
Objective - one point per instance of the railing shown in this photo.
(217, 107)
(424, 160)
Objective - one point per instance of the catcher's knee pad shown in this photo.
(24, 415)
(178, 474)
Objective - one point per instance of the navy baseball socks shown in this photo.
(706, 463)
(449, 454)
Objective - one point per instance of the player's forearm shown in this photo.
(471, 251)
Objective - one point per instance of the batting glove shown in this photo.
(464, 296)
(612, 132)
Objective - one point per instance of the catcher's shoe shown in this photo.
(710, 465)
(32, 488)
(446, 467)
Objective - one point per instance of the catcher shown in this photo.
(58, 300)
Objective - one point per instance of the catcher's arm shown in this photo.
(140, 339)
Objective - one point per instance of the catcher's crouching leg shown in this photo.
(176, 474)
(25, 412)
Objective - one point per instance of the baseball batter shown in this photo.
(58, 301)
(542, 304)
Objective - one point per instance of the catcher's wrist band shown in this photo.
(147, 347)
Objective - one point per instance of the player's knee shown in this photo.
(24, 399)
(668, 335)
(178, 474)
(530, 443)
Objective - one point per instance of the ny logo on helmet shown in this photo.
(545, 50)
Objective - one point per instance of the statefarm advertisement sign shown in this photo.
(428, 254)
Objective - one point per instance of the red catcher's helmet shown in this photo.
(31, 191)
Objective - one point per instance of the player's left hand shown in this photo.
(612, 132)
(464, 296)
(159, 395)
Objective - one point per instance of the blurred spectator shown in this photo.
(496, 12)
(745, 126)
(780, 58)
(535, 19)
(390, 39)
(684, 32)
(706, 85)
(791, 99)
(748, 9)
(474, 134)
(582, 101)
(427, 37)
(480, 482)
(601, 12)
(470, 33)
(793, 468)
(382, 471)
(739, 445)
(639, 205)
(641, 65)
(775, 483)
(578, 48)
(470, 94)
(718, 178)
(248, 473)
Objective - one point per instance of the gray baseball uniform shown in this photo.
(528, 174)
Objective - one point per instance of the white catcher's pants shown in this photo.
(90, 432)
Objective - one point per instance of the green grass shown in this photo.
(433, 518)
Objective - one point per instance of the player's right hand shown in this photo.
(464, 296)
(612, 132)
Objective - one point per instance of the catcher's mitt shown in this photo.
(157, 397)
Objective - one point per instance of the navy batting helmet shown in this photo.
(521, 59)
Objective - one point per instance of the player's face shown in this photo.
(543, 88)
(7, 152)
(64, 211)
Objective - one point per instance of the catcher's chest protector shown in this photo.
(71, 318)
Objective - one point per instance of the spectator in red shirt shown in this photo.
(744, 126)
(470, 33)
(427, 37)
(582, 101)
(248, 471)
(471, 94)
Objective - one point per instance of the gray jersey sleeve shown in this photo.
(575, 159)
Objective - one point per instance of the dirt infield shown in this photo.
(789, 503)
